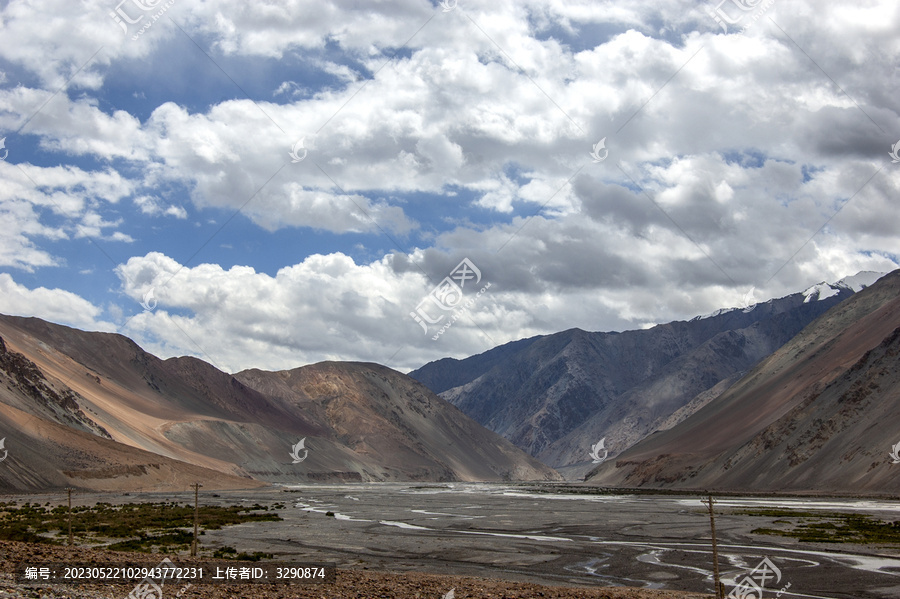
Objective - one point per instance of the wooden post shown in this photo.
(720, 594)
(69, 490)
(196, 518)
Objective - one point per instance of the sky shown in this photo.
(273, 184)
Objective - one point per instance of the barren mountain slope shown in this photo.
(378, 412)
(52, 443)
(555, 395)
(185, 409)
(820, 414)
(118, 396)
(642, 409)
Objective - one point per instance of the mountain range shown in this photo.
(554, 396)
(796, 393)
(94, 410)
(819, 415)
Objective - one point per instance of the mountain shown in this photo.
(52, 438)
(94, 410)
(818, 415)
(394, 426)
(556, 395)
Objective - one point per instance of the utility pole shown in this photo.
(69, 490)
(196, 517)
(720, 591)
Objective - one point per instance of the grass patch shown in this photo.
(145, 527)
(163, 543)
(231, 553)
(829, 527)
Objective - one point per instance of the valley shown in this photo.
(551, 535)
(399, 488)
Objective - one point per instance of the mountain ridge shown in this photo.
(815, 416)
(555, 395)
(184, 417)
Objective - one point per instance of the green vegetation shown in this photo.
(164, 543)
(146, 527)
(227, 552)
(829, 527)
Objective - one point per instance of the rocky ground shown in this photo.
(350, 584)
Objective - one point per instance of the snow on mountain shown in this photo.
(718, 312)
(860, 280)
(820, 292)
(855, 283)
(721, 311)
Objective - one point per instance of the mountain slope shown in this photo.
(83, 387)
(377, 412)
(642, 409)
(53, 443)
(448, 373)
(554, 396)
(819, 414)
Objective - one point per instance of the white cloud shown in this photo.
(55, 305)
(326, 307)
(31, 195)
(727, 154)
(153, 206)
(92, 225)
(21, 225)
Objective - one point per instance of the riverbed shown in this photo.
(531, 533)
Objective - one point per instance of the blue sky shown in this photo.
(158, 168)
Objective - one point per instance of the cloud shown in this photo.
(326, 307)
(69, 196)
(152, 206)
(21, 226)
(55, 305)
(734, 161)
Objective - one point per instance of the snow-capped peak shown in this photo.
(817, 293)
(860, 280)
(854, 283)
(820, 292)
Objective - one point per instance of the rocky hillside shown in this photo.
(556, 395)
(94, 410)
(395, 426)
(818, 415)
